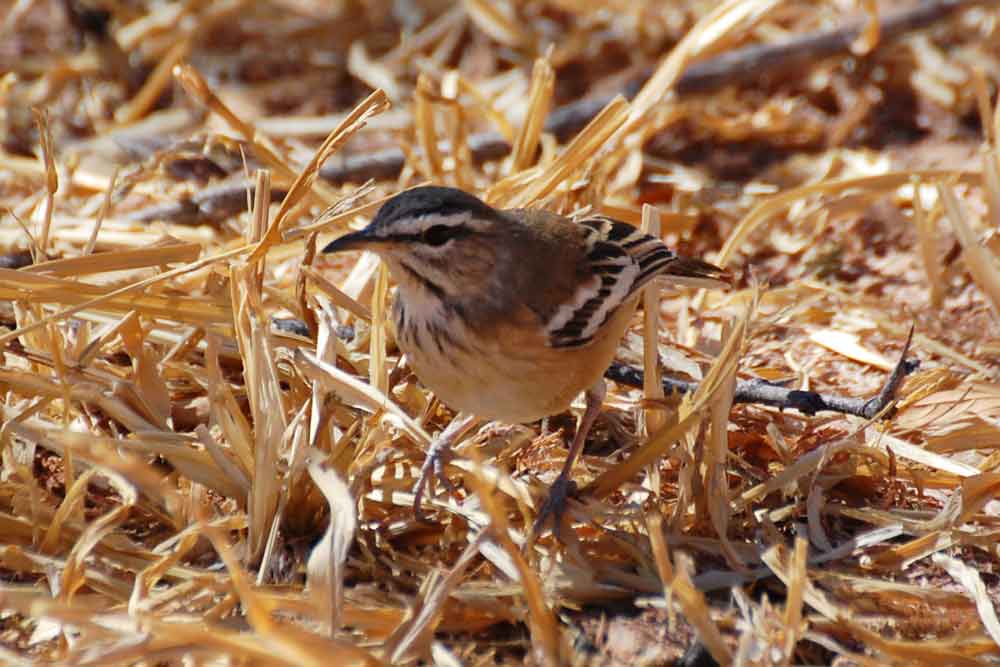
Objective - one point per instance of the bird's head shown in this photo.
(438, 239)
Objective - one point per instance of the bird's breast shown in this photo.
(504, 371)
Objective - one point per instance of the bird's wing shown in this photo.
(607, 281)
(621, 260)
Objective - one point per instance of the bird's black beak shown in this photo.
(359, 240)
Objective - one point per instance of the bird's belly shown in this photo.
(496, 387)
(501, 380)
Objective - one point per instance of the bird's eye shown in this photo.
(438, 235)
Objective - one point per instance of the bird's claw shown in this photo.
(438, 456)
(555, 506)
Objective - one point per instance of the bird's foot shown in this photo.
(438, 456)
(555, 506)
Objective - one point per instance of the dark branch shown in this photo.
(762, 392)
(745, 65)
(738, 66)
(215, 202)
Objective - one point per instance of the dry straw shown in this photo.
(208, 436)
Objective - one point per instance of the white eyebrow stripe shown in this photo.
(417, 225)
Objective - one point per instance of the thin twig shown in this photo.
(759, 392)
(738, 66)
(762, 392)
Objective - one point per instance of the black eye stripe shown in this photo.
(438, 235)
(435, 235)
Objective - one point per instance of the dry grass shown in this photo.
(185, 482)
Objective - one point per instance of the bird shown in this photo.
(509, 315)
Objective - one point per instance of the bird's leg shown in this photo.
(563, 487)
(438, 456)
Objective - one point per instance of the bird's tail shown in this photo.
(692, 272)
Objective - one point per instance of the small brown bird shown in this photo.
(509, 315)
